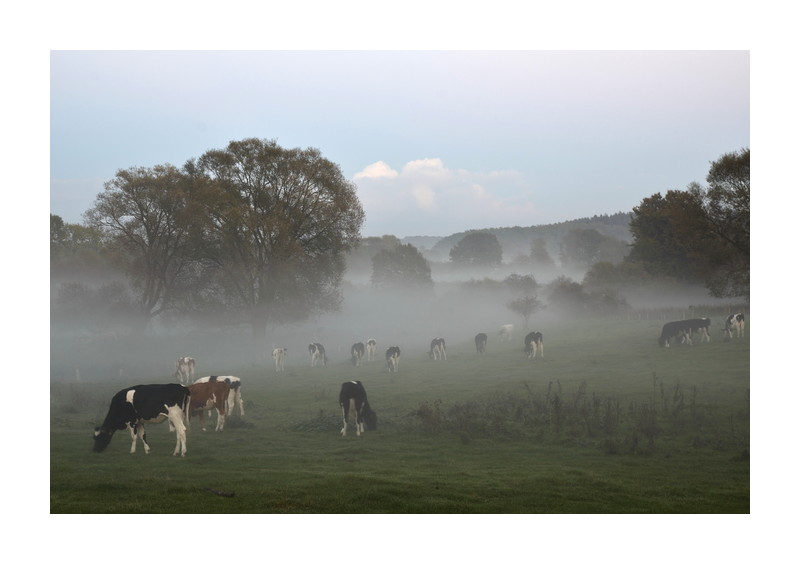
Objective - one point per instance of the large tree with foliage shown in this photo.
(273, 226)
(477, 248)
(142, 214)
(401, 268)
(700, 234)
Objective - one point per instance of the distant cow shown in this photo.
(534, 344)
(438, 350)
(235, 395)
(682, 331)
(372, 349)
(506, 332)
(393, 358)
(357, 353)
(353, 397)
(317, 354)
(209, 395)
(480, 342)
(184, 370)
(145, 403)
(279, 355)
(734, 324)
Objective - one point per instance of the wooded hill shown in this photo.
(517, 240)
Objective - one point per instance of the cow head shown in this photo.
(101, 439)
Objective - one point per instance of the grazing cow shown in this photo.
(184, 370)
(438, 349)
(506, 332)
(393, 358)
(209, 395)
(145, 403)
(279, 355)
(317, 354)
(480, 342)
(357, 353)
(234, 397)
(353, 397)
(534, 344)
(372, 349)
(682, 331)
(734, 323)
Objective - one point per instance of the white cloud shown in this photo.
(376, 170)
(427, 198)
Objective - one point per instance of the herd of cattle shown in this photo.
(132, 407)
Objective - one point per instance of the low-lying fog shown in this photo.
(392, 318)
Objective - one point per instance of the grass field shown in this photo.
(606, 422)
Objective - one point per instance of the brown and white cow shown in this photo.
(372, 349)
(279, 355)
(235, 395)
(206, 396)
(184, 370)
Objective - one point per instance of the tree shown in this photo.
(274, 226)
(478, 248)
(525, 307)
(521, 284)
(539, 254)
(141, 214)
(700, 234)
(402, 267)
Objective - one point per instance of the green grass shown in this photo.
(606, 422)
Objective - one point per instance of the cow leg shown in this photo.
(203, 419)
(344, 421)
(176, 420)
(133, 438)
(220, 420)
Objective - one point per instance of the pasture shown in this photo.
(606, 422)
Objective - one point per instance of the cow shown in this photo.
(279, 355)
(534, 344)
(235, 395)
(438, 350)
(184, 370)
(357, 353)
(480, 342)
(393, 358)
(506, 332)
(682, 330)
(372, 349)
(353, 397)
(317, 354)
(209, 395)
(145, 403)
(734, 323)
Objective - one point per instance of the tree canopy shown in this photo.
(478, 248)
(401, 267)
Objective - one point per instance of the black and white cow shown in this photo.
(734, 324)
(235, 395)
(317, 354)
(357, 353)
(682, 331)
(534, 344)
(372, 349)
(393, 358)
(278, 355)
(184, 370)
(480, 342)
(353, 397)
(438, 350)
(146, 403)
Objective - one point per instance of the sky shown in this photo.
(436, 142)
